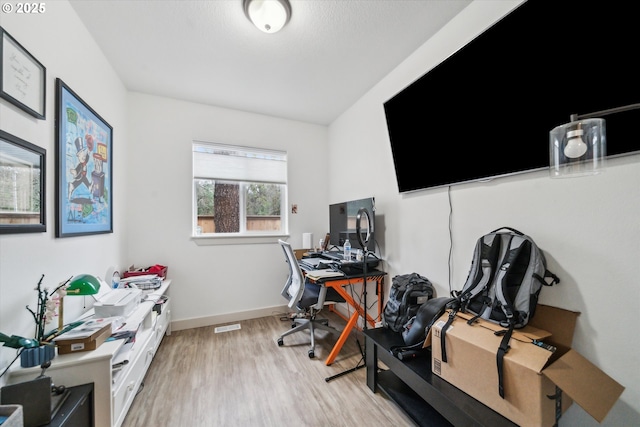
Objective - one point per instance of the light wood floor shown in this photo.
(199, 378)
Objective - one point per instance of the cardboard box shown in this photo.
(299, 253)
(87, 343)
(531, 372)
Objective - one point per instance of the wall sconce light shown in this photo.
(268, 15)
(82, 284)
(579, 148)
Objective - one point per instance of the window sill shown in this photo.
(211, 240)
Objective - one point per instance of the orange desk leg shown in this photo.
(359, 311)
(343, 338)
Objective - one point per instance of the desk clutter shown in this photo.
(157, 269)
(147, 278)
(333, 260)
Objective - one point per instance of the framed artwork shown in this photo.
(84, 167)
(24, 78)
(22, 186)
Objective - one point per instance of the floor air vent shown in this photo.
(227, 328)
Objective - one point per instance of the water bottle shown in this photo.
(347, 250)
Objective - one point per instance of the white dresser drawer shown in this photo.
(127, 386)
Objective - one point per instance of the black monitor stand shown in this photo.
(363, 242)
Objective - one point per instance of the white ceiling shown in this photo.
(329, 54)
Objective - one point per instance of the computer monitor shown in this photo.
(342, 223)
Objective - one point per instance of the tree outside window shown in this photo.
(226, 203)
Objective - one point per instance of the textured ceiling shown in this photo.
(329, 54)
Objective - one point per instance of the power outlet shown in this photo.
(379, 325)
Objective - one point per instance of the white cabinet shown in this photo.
(114, 390)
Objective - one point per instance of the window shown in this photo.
(238, 191)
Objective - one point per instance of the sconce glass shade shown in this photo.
(268, 15)
(578, 148)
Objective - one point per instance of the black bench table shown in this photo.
(427, 399)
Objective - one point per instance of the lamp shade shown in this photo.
(268, 15)
(83, 284)
(577, 148)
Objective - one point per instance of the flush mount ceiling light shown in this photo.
(268, 15)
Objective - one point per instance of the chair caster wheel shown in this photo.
(280, 342)
(311, 354)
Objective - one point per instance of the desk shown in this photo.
(339, 283)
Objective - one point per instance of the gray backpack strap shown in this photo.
(487, 274)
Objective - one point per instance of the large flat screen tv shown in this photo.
(342, 223)
(486, 111)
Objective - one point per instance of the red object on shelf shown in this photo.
(158, 269)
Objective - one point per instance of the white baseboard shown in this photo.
(178, 325)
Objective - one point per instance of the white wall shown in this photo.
(212, 284)
(62, 44)
(588, 227)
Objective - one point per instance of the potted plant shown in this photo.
(38, 350)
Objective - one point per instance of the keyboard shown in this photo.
(333, 256)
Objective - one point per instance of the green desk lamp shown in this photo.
(15, 341)
(82, 284)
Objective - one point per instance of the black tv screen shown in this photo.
(486, 111)
(343, 219)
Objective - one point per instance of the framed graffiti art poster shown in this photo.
(84, 167)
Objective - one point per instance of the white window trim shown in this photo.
(242, 237)
(214, 240)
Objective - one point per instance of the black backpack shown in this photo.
(415, 331)
(508, 271)
(408, 292)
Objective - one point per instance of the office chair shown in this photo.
(305, 297)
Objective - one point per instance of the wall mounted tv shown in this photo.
(486, 111)
(342, 223)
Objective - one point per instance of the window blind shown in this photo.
(232, 163)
